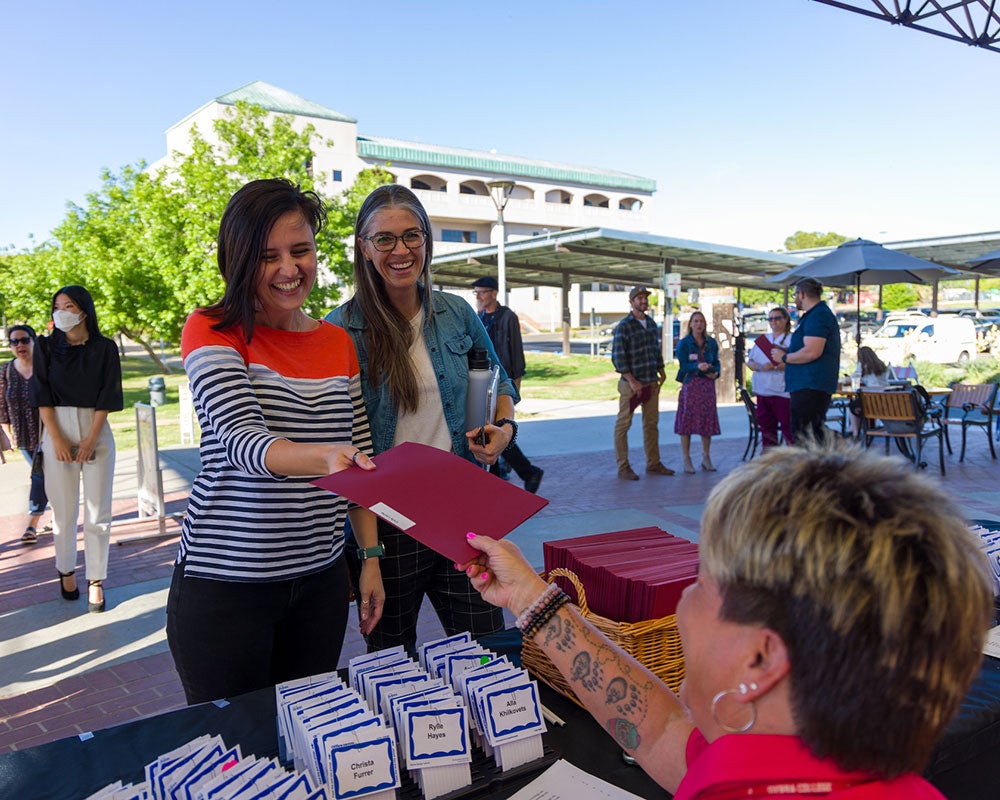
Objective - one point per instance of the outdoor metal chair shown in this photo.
(837, 414)
(754, 435)
(902, 416)
(970, 405)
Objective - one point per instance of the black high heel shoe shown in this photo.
(91, 605)
(68, 594)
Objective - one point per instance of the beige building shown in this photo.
(451, 182)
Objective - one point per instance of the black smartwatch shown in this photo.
(501, 422)
(377, 551)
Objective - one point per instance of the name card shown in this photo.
(436, 737)
(363, 768)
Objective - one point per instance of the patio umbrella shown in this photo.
(864, 261)
(990, 262)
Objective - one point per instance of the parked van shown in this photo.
(939, 340)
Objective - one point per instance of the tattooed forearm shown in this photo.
(553, 629)
(625, 733)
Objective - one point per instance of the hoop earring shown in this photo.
(729, 728)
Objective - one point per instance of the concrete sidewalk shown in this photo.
(64, 671)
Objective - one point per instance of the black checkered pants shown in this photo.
(411, 570)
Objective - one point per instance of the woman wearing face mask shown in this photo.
(77, 381)
(20, 419)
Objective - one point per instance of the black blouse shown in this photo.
(87, 375)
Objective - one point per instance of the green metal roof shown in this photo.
(397, 151)
(609, 256)
(281, 102)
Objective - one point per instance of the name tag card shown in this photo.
(436, 737)
(323, 739)
(287, 695)
(384, 689)
(511, 712)
(481, 674)
(436, 660)
(368, 680)
(363, 768)
(449, 641)
(310, 752)
(368, 661)
(456, 664)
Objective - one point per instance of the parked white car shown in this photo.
(939, 340)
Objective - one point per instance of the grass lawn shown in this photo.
(550, 376)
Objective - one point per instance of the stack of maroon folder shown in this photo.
(629, 576)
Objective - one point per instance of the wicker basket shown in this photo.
(655, 643)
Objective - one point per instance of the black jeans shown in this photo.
(809, 407)
(229, 638)
(518, 462)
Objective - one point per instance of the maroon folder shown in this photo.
(436, 497)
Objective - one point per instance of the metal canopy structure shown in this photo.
(972, 22)
(949, 251)
(601, 255)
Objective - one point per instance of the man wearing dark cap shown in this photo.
(505, 331)
(636, 354)
(812, 361)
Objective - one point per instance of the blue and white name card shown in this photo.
(363, 768)
(511, 710)
(436, 737)
(368, 661)
(429, 648)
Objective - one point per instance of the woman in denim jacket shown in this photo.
(413, 345)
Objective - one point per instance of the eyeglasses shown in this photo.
(15, 342)
(385, 242)
(776, 319)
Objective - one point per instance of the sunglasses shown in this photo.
(14, 341)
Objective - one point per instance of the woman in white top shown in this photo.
(874, 375)
(773, 405)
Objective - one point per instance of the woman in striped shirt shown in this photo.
(260, 591)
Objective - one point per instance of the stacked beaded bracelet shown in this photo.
(545, 606)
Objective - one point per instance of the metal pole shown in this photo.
(501, 259)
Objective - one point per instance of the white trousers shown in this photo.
(62, 483)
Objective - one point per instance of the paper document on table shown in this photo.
(992, 645)
(562, 781)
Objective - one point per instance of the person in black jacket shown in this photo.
(505, 332)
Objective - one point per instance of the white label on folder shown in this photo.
(363, 768)
(391, 515)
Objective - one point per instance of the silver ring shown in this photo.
(354, 458)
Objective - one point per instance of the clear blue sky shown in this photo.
(756, 119)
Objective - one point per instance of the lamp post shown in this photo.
(500, 193)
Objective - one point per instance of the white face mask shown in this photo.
(66, 320)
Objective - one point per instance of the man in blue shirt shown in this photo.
(812, 362)
(636, 354)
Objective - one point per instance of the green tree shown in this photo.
(762, 297)
(897, 296)
(144, 242)
(806, 240)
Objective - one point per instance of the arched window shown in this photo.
(596, 201)
(520, 192)
(630, 204)
(429, 183)
(474, 187)
(558, 196)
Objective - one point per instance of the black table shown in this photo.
(72, 769)
(963, 766)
